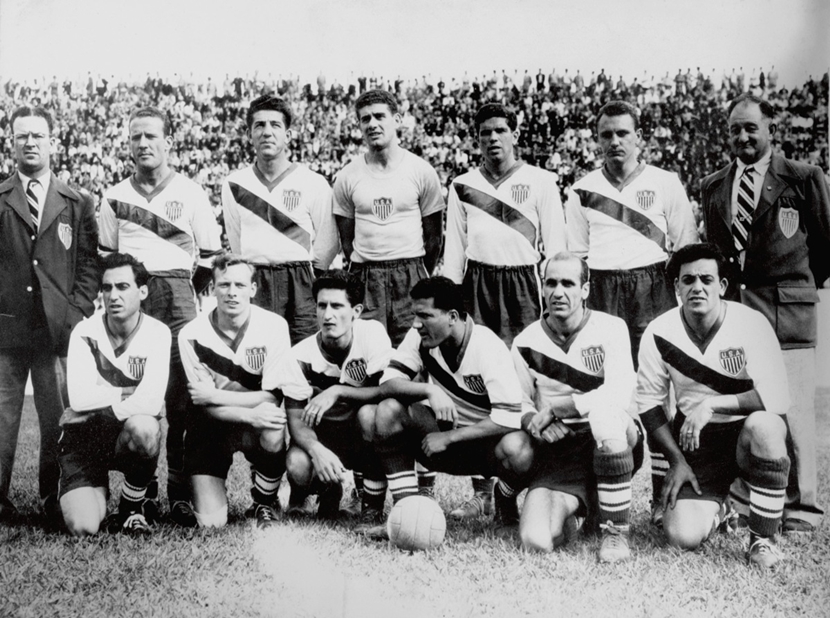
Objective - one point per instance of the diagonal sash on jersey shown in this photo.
(226, 367)
(284, 224)
(112, 374)
(448, 382)
(622, 213)
(694, 370)
(493, 206)
(153, 223)
(561, 372)
(318, 380)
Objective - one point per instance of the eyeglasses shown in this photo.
(23, 138)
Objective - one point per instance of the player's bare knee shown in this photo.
(389, 417)
(684, 532)
(299, 467)
(536, 539)
(272, 440)
(80, 524)
(142, 435)
(515, 452)
(366, 421)
(766, 430)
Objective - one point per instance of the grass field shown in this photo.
(312, 570)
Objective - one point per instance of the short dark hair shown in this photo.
(496, 110)
(373, 97)
(619, 108)
(567, 256)
(339, 280)
(25, 111)
(445, 294)
(767, 110)
(693, 253)
(223, 261)
(153, 112)
(117, 260)
(272, 103)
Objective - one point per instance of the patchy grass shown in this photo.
(307, 569)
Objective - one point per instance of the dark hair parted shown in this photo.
(496, 110)
(339, 280)
(693, 253)
(445, 294)
(271, 103)
(117, 260)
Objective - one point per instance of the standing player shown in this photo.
(278, 216)
(230, 355)
(725, 366)
(166, 222)
(771, 217)
(326, 380)
(577, 378)
(388, 207)
(626, 219)
(117, 375)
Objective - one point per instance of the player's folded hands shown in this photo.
(556, 431)
(267, 416)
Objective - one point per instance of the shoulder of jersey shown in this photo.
(153, 323)
(266, 316)
(607, 319)
(370, 328)
(530, 334)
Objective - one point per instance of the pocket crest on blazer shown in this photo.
(788, 221)
(65, 234)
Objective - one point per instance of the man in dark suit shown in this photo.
(48, 281)
(771, 217)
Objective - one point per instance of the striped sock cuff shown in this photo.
(614, 502)
(265, 488)
(358, 481)
(374, 494)
(482, 485)
(132, 497)
(766, 506)
(505, 490)
(402, 484)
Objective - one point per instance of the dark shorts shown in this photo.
(503, 298)
(171, 300)
(637, 296)
(210, 444)
(87, 453)
(285, 289)
(568, 466)
(344, 439)
(715, 463)
(386, 288)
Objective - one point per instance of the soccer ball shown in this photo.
(416, 523)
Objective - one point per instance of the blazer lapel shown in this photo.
(17, 200)
(722, 196)
(53, 206)
(774, 185)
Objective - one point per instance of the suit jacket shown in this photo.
(51, 273)
(788, 251)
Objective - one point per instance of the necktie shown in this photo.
(34, 203)
(746, 205)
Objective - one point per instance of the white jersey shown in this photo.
(170, 229)
(484, 383)
(247, 364)
(641, 225)
(288, 220)
(306, 372)
(743, 354)
(387, 208)
(97, 374)
(513, 223)
(594, 367)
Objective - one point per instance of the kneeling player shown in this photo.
(230, 356)
(725, 365)
(465, 419)
(325, 380)
(117, 369)
(577, 377)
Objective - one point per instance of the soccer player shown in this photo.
(388, 207)
(278, 216)
(723, 360)
(626, 219)
(117, 370)
(326, 380)
(165, 221)
(231, 355)
(465, 418)
(577, 380)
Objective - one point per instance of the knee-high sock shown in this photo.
(767, 481)
(613, 471)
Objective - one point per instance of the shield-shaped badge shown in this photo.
(291, 199)
(382, 207)
(645, 199)
(593, 357)
(255, 357)
(136, 364)
(733, 360)
(173, 209)
(356, 370)
(788, 221)
(475, 383)
(65, 234)
(520, 193)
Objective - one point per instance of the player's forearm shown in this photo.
(405, 391)
(360, 395)
(241, 399)
(230, 414)
(665, 444)
(740, 404)
(564, 406)
(345, 227)
(483, 429)
(301, 434)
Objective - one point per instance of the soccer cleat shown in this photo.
(793, 526)
(614, 547)
(182, 515)
(372, 525)
(506, 511)
(328, 502)
(151, 512)
(264, 514)
(656, 515)
(763, 553)
(727, 518)
(427, 491)
(479, 505)
(351, 506)
(135, 524)
(302, 509)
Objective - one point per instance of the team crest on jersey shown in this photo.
(136, 364)
(65, 234)
(593, 357)
(382, 207)
(788, 221)
(475, 383)
(733, 360)
(291, 199)
(520, 193)
(173, 209)
(356, 370)
(255, 357)
(645, 199)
